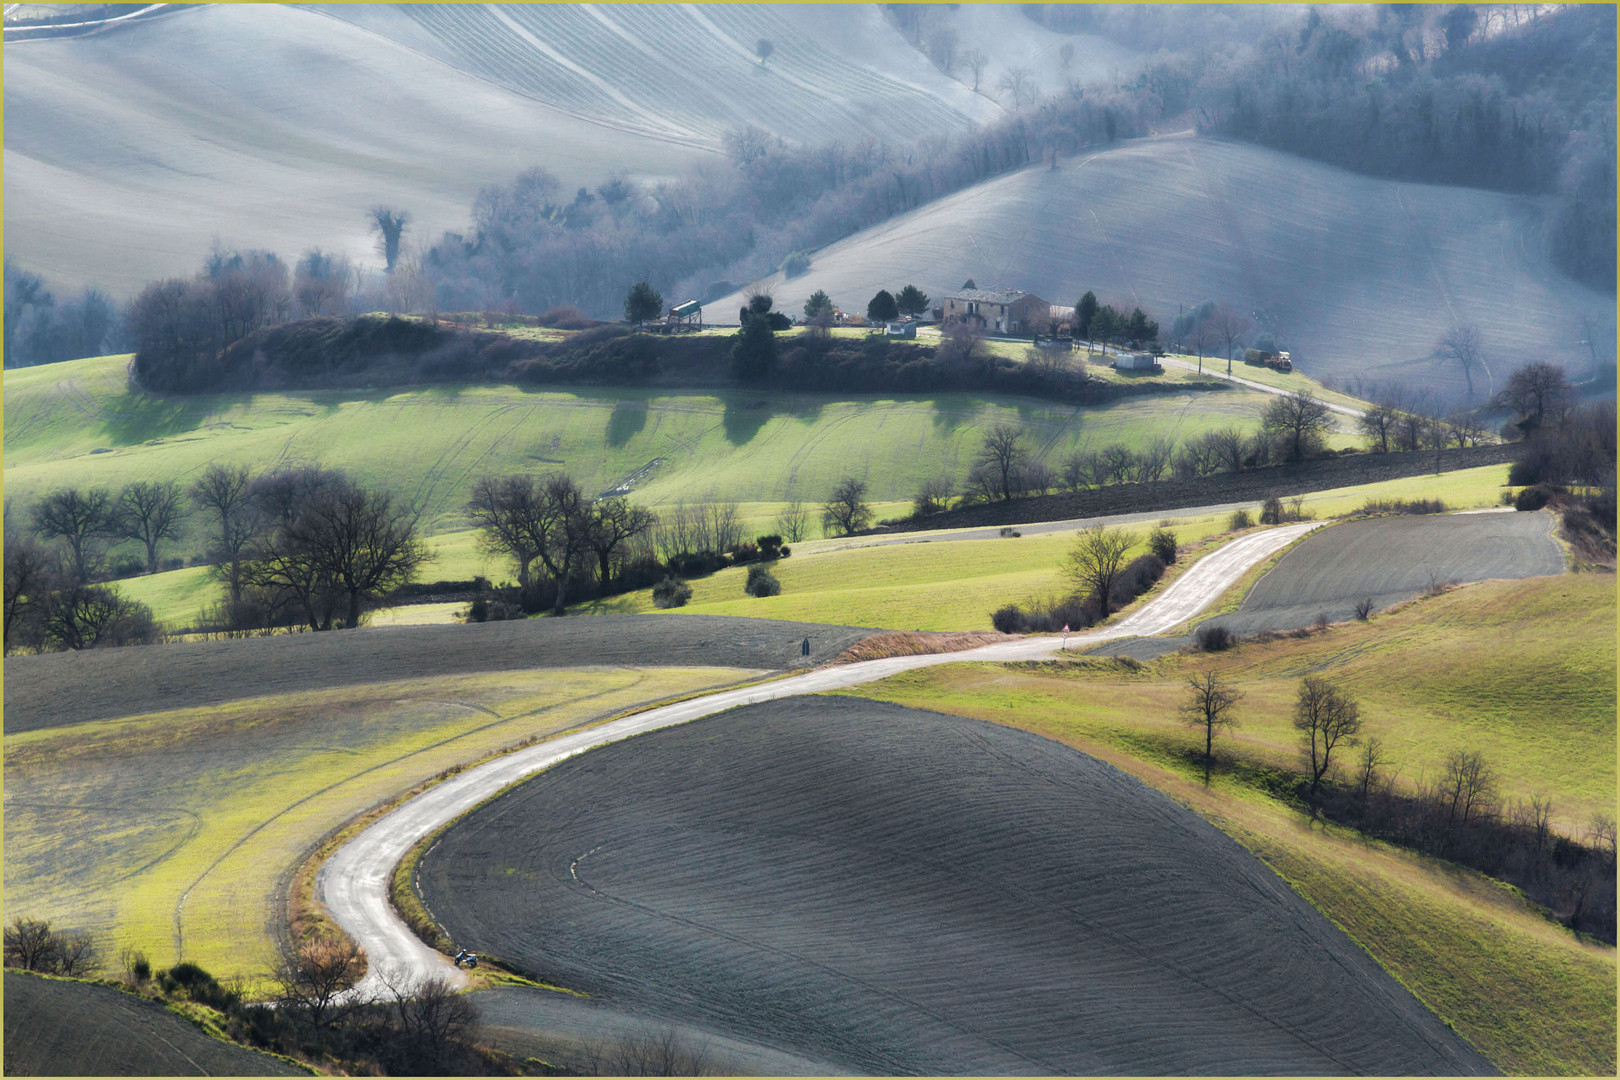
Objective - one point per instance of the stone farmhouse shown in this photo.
(1000, 311)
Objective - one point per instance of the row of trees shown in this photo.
(39, 330)
(1456, 813)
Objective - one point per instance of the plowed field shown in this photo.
(899, 891)
(59, 1028)
(72, 688)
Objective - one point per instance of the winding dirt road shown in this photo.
(354, 884)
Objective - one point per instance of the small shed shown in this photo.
(687, 314)
(900, 329)
(1136, 361)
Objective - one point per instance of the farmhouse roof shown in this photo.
(989, 296)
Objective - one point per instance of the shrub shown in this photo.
(1137, 578)
(1403, 506)
(761, 582)
(1047, 616)
(128, 566)
(671, 592)
(1213, 638)
(770, 547)
(1526, 470)
(1271, 511)
(1533, 497)
(744, 553)
(1364, 608)
(1162, 542)
(1240, 519)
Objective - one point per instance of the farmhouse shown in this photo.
(1001, 311)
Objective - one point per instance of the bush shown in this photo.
(761, 582)
(32, 945)
(1526, 470)
(770, 547)
(1534, 497)
(690, 564)
(1137, 578)
(1364, 608)
(129, 566)
(1271, 511)
(1213, 638)
(1240, 519)
(1403, 506)
(1162, 542)
(1047, 616)
(672, 592)
(744, 553)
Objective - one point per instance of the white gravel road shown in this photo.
(353, 885)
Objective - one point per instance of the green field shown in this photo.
(1432, 676)
(79, 423)
(175, 833)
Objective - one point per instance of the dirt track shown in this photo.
(70, 688)
(898, 891)
(56, 1028)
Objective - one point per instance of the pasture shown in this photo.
(176, 832)
(1432, 677)
(79, 423)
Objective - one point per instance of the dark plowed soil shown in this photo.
(899, 891)
(71, 688)
(1387, 560)
(58, 1028)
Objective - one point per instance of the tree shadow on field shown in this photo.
(951, 413)
(743, 419)
(628, 419)
(138, 417)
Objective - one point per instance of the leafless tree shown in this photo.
(87, 616)
(1467, 427)
(1076, 471)
(613, 524)
(1228, 447)
(1463, 345)
(1017, 83)
(1378, 423)
(792, 522)
(322, 282)
(1201, 335)
(1467, 785)
(227, 492)
(431, 1024)
(389, 225)
(1368, 763)
(315, 979)
(1298, 421)
(33, 574)
(506, 511)
(32, 945)
(1095, 561)
(1001, 456)
(1152, 463)
(847, 509)
(1210, 706)
(83, 518)
(963, 337)
(1327, 717)
(976, 61)
(149, 511)
(933, 496)
(1230, 327)
(1537, 392)
(1116, 462)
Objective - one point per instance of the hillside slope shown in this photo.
(1358, 276)
(127, 152)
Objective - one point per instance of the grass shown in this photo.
(175, 833)
(79, 423)
(1431, 676)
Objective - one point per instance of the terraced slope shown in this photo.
(1357, 276)
(128, 152)
(899, 891)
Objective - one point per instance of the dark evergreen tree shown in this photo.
(753, 351)
(882, 308)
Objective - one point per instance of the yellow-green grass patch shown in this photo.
(173, 833)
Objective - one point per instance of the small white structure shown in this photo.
(1136, 361)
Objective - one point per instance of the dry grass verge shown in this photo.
(908, 643)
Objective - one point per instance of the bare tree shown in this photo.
(792, 522)
(33, 574)
(1378, 423)
(389, 224)
(1095, 561)
(1467, 785)
(1327, 717)
(1228, 448)
(87, 616)
(323, 281)
(431, 1025)
(1201, 335)
(315, 979)
(1368, 763)
(933, 496)
(976, 61)
(1152, 463)
(1467, 427)
(847, 509)
(149, 511)
(1002, 457)
(612, 525)
(1535, 393)
(1298, 421)
(227, 491)
(506, 511)
(83, 519)
(1116, 462)
(32, 945)
(1462, 344)
(1230, 326)
(1017, 83)
(1209, 705)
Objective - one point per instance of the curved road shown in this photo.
(354, 883)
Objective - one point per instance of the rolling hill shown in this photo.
(1359, 277)
(128, 152)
